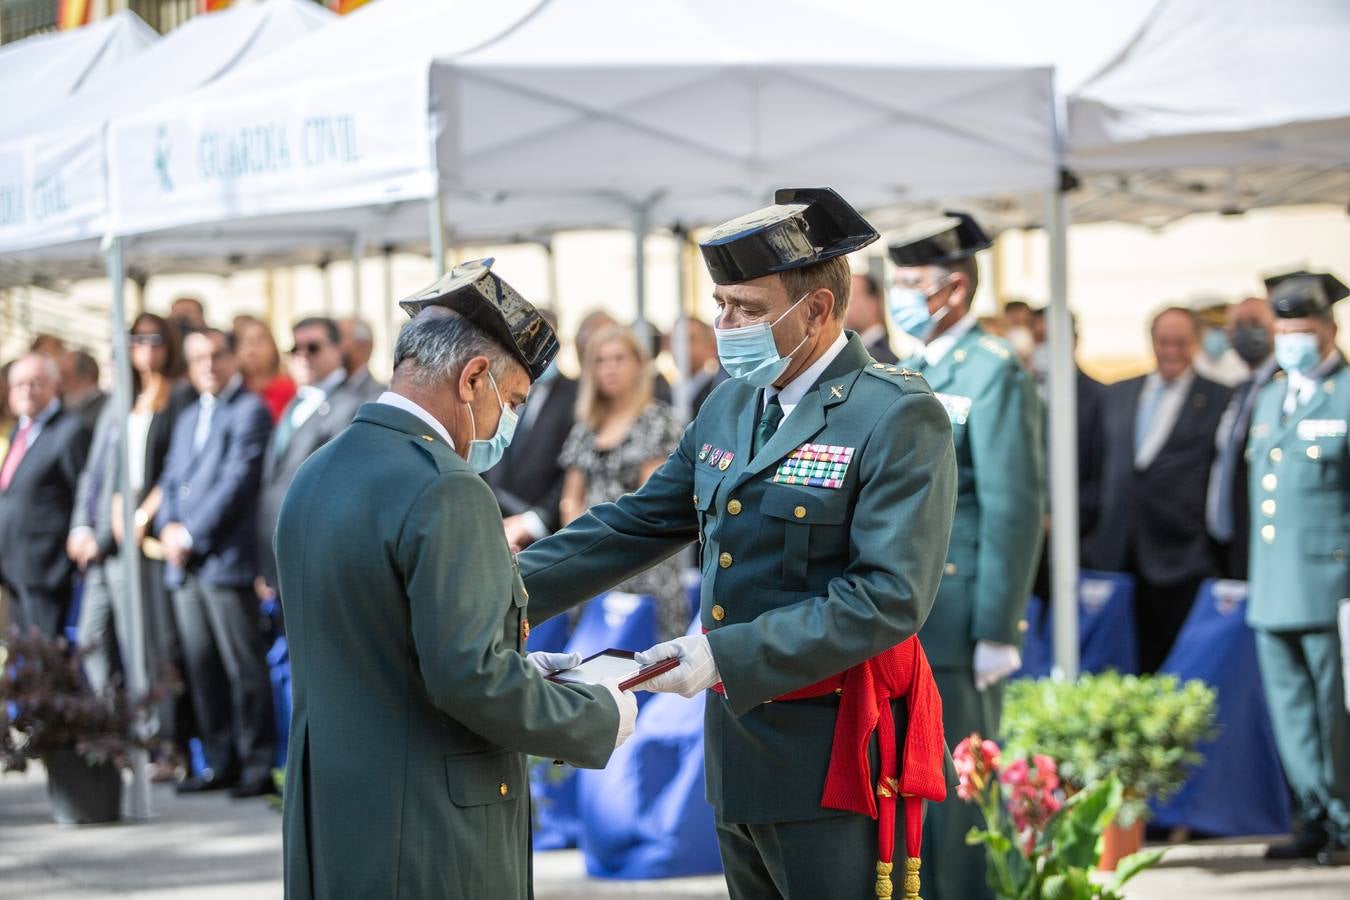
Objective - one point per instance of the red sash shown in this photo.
(866, 692)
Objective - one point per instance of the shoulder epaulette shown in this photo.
(439, 454)
(898, 375)
(996, 347)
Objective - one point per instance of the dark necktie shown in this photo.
(768, 424)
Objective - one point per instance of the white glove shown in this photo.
(548, 663)
(994, 662)
(628, 710)
(696, 672)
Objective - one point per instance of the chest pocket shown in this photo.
(799, 513)
(707, 485)
(1328, 461)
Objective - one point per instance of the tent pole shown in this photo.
(326, 284)
(641, 224)
(436, 233)
(551, 261)
(679, 338)
(137, 678)
(1063, 445)
(358, 251)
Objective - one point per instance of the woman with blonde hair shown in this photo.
(621, 437)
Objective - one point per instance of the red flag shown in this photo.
(213, 5)
(72, 14)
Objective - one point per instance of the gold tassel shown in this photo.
(912, 878)
(883, 880)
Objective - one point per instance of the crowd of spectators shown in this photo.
(222, 420)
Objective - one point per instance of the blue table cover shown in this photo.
(1239, 789)
(1106, 637)
(614, 620)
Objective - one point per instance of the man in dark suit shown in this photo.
(528, 481)
(1157, 452)
(866, 314)
(1251, 330)
(705, 372)
(1091, 397)
(357, 345)
(324, 404)
(79, 386)
(207, 525)
(41, 469)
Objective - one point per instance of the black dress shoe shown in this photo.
(197, 784)
(1335, 852)
(256, 786)
(1306, 844)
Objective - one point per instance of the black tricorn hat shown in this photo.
(936, 242)
(475, 292)
(803, 227)
(1294, 295)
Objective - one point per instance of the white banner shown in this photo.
(51, 189)
(297, 148)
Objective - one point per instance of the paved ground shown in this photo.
(204, 848)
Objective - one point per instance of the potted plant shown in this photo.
(1039, 844)
(51, 714)
(1143, 730)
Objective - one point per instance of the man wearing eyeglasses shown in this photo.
(324, 404)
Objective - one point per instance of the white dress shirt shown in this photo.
(941, 345)
(39, 421)
(793, 392)
(398, 401)
(1302, 387)
(1164, 419)
(311, 397)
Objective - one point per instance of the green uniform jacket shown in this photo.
(1000, 500)
(1299, 471)
(413, 706)
(799, 582)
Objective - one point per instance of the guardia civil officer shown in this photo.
(1299, 469)
(820, 485)
(972, 637)
(414, 702)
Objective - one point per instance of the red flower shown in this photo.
(976, 761)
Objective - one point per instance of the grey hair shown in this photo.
(435, 346)
(49, 366)
(361, 332)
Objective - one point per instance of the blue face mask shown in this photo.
(752, 353)
(1297, 352)
(1215, 343)
(908, 309)
(483, 455)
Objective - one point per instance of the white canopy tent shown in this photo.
(1216, 107)
(41, 71)
(527, 116)
(58, 171)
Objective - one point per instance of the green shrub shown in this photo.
(1142, 729)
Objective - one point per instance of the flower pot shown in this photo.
(82, 793)
(1118, 843)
